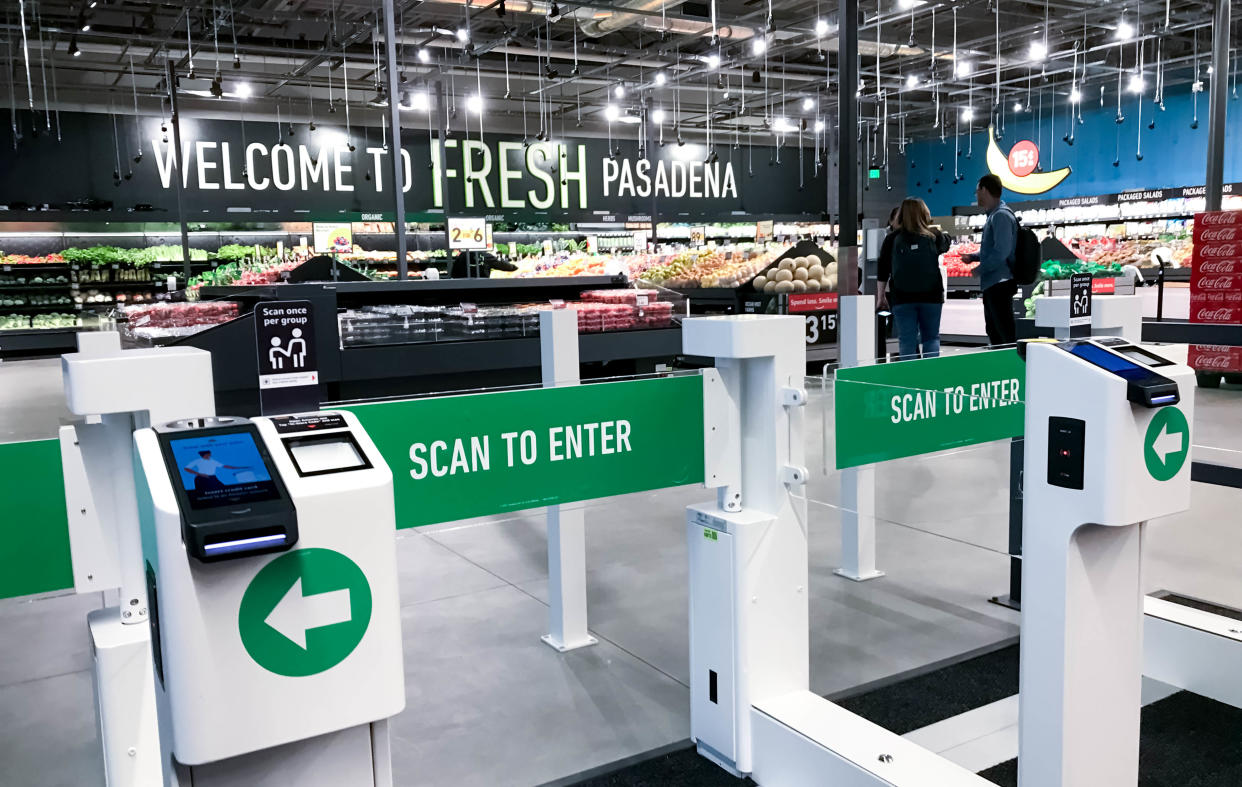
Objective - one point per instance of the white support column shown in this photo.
(567, 594)
(858, 483)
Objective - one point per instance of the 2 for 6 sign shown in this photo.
(467, 234)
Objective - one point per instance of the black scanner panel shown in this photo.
(233, 502)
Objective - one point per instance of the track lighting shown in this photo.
(73, 48)
(236, 61)
(216, 88)
(755, 77)
(712, 158)
(500, 9)
(554, 12)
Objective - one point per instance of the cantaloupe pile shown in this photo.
(799, 274)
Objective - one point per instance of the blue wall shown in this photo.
(1173, 154)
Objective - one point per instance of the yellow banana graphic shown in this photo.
(1034, 183)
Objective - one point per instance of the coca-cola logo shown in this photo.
(1219, 234)
(1220, 266)
(1220, 252)
(1221, 219)
(1213, 362)
(1217, 283)
(1222, 314)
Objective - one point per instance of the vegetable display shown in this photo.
(1063, 270)
(798, 274)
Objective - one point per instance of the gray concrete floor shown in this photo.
(489, 704)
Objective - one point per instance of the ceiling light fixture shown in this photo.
(657, 116)
(554, 12)
(1039, 51)
(1017, 106)
(912, 82)
(963, 68)
(819, 126)
(242, 90)
(783, 125)
(463, 35)
(1125, 30)
(73, 48)
(968, 114)
(475, 103)
(1075, 96)
(713, 60)
(758, 45)
(619, 90)
(660, 78)
(1137, 83)
(611, 112)
(424, 56)
(821, 27)
(808, 104)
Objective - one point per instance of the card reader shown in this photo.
(1133, 364)
(232, 503)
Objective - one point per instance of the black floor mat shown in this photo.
(683, 768)
(1186, 741)
(915, 703)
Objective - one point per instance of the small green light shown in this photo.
(874, 174)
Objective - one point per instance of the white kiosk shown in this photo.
(269, 555)
(1107, 448)
(117, 391)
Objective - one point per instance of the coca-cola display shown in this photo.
(1216, 269)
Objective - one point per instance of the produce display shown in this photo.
(1063, 270)
(33, 299)
(1107, 250)
(405, 324)
(798, 274)
(953, 263)
(710, 267)
(22, 322)
(167, 320)
(22, 259)
(240, 274)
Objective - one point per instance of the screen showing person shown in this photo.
(222, 469)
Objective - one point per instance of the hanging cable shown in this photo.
(55, 99)
(26, 53)
(47, 110)
(133, 84)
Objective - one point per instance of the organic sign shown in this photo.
(893, 410)
(456, 457)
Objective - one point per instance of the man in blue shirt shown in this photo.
(996, 252)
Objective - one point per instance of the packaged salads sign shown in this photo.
(270, 172)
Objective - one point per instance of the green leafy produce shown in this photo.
(1054, 269)
(96, 256)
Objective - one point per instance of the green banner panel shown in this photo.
(464, 456)
(893, 410)
(35, 528)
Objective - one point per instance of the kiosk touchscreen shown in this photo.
(270, 551)
(232, 504)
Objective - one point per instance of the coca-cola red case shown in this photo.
(1216, 268)
(1215, 358)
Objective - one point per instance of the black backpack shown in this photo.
(1026, 255)
(916, 264)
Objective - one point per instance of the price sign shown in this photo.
(698, 235)
(764, 230)
(820, 310)
(467, 234)
(821, 328)
(1080, 300)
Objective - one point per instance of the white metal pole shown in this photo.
(858, 483)
(567, 593)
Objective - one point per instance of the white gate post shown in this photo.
(567, 595)
(857, 341)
